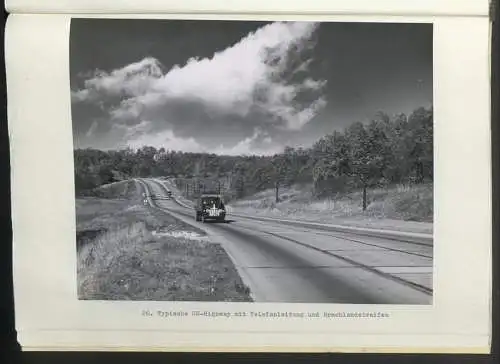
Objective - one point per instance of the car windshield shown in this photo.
(210, 201)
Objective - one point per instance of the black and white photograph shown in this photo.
(253, 161)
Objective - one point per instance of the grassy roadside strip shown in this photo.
(400, 208)
(129, 251)
(407, 209)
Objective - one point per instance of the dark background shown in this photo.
(10, 350)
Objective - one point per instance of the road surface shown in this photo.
(303, 263)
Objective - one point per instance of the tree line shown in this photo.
(384, 151)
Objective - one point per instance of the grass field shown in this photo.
(128, 251)
(399, 207)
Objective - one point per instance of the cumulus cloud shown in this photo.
(132, 80)
(140, 135)
(165, 139)
(261, 80)
(259, 141)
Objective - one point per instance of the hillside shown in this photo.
(410, 208)
(122, 246)
(379, 154)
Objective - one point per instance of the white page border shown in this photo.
(43, 217)
(318, 7)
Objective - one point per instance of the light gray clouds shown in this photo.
(242, 96)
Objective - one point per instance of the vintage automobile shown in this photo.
(210, 207)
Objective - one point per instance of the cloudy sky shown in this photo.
(239, 87)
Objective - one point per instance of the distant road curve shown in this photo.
(289, 261)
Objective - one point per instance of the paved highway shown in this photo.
(285, 262)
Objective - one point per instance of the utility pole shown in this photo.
(277, 191)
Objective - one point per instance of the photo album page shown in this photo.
(285, 177)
